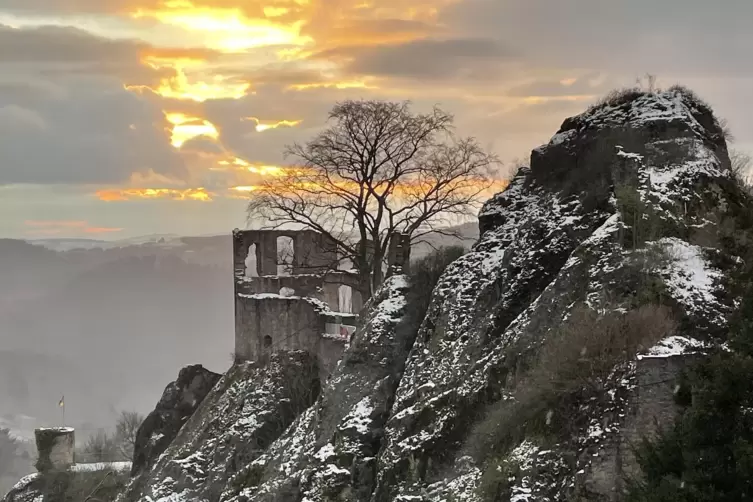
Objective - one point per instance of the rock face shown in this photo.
(242, 415)
(178, 402)
(617, 211)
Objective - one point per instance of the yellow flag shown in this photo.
(62, 402)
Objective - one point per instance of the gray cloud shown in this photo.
(48, 44)
(678, 37)
(587, 84)
(97, 134)
(65, 116)
(425, 58)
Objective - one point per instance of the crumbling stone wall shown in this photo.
(398, 254)
(323, 287)
(313, 253)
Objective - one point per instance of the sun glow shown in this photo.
(186, 128)
(194, 88)
(228, 29)
(242, 165)
(262, 126)
(347, 84)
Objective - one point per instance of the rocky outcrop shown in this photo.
(330, 453)
(618, 210)
(178, 402)
(243, 414)
(556, 238)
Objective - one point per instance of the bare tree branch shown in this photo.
(377, 171)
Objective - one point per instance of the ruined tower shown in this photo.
(290, 295)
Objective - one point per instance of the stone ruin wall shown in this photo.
(651, 407)
(299, 311)
(291, 312)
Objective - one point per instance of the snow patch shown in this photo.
(689, 277)
(673, 346)
(360, 418)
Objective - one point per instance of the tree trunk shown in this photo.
(377, 275)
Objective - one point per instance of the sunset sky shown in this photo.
(121, 118)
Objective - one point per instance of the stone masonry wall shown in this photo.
(55, 448)
(270, 323)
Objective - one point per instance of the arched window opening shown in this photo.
(285, 255)
(252, 268)
(345, 299)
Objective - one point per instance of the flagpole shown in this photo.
(62, 408)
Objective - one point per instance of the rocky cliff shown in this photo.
(544, 353)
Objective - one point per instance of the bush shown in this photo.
(741, 164)
(691, 96)
(618, 97)
(572, 366)
(708, 454)
(496, 483)
(68, 486)
(126, 429)
(99, 447)
(15, 460)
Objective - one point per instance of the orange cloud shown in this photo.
(119, 195)
(265, 126)
(189, 83)
(57, 227)
(241, 165)
(241, 192)
(346, 84)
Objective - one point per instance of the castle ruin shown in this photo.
(290, 293)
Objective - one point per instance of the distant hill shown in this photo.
(102, 322)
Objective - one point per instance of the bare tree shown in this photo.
(126, 428)
(100, 447)
(378, 170)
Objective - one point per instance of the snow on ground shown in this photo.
(24, 482)
(690, 278)
(360, 418)
(673, 346)
(389, 311)
(102, 466)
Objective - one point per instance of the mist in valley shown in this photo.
(107, 328)
(108, 325)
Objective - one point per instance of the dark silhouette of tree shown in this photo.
(377, 171)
